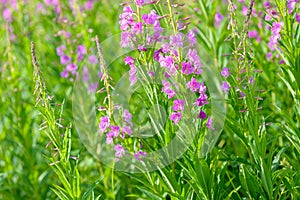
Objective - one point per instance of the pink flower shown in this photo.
(64, 74)
(191, 38)
(202, 88)
(128, 60)
(225, 72)
(252, 34)
(71, 68)
(127, 9)
(127, 129)
(137, 28)
(291, 5)
(151, 18)
(176, 40)
(104, 124)
(60, 50)
(64, 59)
(218, 19)
(225, 87)
(297, 18)
(175, 117)
(81, 50)
(126, 39)
(132, 75)
(127, 116)
(114, 131)
(171, 93)
(167, 61)
(209, 124)
(267, 5)
(193, 85)
(187, 68)
(193, 57)
(202, 100)
(7, 15)
(120, 151)
(139, 3)
(156, 54)
(165, 47)
(201, 115)
(244, 10)
(178, 105)
(139, 154)
(166, 85)
(93, 59)
(89, 5)
(269, 56)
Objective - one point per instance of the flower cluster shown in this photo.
(168, 55)
(225, 73)
(277, 25)
(275, 37)
(115, 134)
(132, 78)
(71, 65)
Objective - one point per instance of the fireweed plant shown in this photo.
(254, 46)
(171, 58)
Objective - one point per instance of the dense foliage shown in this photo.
(220, 77)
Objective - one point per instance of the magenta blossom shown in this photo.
(71, 68)
(191, 38)
(201, 115)
(175, 117)
(252, 34)
(178, 105)
(64, 59)
(139, 3)
(225, 72)
(193, 57)
(291, 4)
(167, 61)
(129, 60)
(104, 124)
(187, 68)
(171, 93)
(267, 5)
(202, 100)
(60, 50)
(114, 131)
(297, 18)
(127, 116)
(193, 85)
(120, 151)
(81, 50)
(132, 75)
(151, 18)
(225, 87)
(202, 88)
(176, 40)
(64, 74)
(166, 85)
(139, 154)
(93, 59)
(137, 27)
(218, 19)
(127, 129)
(209, 124)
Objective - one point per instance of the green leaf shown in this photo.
(91, 189)
(61, 193)
(151, 195)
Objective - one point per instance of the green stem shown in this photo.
(172, 16)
